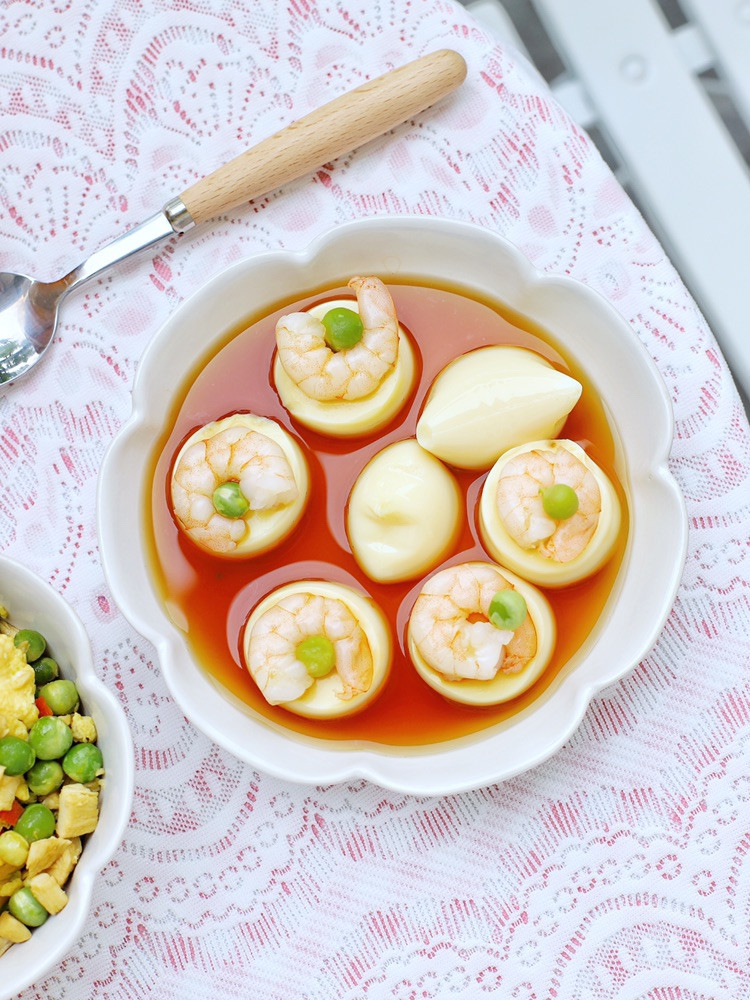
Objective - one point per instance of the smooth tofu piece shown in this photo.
(47, 891)
(43, 854)
(404, 513)
(9, 785)
(490, 400)
(12, 929)
(61, 869)
(83, 728)
(78, 812)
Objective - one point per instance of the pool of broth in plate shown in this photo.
(211, 597)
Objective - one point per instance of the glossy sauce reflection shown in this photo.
(211, 597)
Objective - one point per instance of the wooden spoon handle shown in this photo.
(337, 127)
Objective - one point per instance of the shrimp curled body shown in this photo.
(450, 626)
(276, 634)
(520, 505)
(351, 374)
(236, 454)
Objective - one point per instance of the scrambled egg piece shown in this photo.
(13, 930)
(11, 885)
(50, 860)
(46, 890)
(9, 785)
(44, 853)
(60, 870)
(56, 856)
(7, 871)
(78, 812)
(18, 713)
(83, 728)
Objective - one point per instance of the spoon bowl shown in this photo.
(28, 318)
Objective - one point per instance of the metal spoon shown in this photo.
(29, 308)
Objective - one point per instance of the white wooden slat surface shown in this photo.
(696, 54)
(726, 24)
(494, 18)
(681, 161)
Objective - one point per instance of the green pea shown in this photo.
(45, 670)
(230, 501)
(317, 654)
(45, 777)
(16, 756)
(559, 501)
(82, 762)
(25, 907)
(37, 822)
(14, 849)
(35, 643)
(50, 738)
(60, 695)
(507, 610)
(343, 328)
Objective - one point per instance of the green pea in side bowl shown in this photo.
(34, 604)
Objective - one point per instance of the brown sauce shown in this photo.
(211, 597)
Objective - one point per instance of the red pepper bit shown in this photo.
(43, 707)
(11, 816)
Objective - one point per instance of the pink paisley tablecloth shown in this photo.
(620, 867)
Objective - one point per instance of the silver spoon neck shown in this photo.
(30, 307)
(174, 218)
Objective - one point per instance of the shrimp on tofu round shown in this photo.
(318, 649)
(341, 368)
(348, 356)
(549, 512)
(239, 485)
(479, 634)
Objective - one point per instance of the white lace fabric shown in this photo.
(615, 869)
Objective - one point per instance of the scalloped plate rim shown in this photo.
(98, 851)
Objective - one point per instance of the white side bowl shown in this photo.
(592, 332)
(32, 603)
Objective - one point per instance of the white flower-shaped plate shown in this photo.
(605, 349)
(32, 603)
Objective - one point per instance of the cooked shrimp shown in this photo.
(276, 636)
(353, 373)
(451, 629)
(235, 455)
(520, 502)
